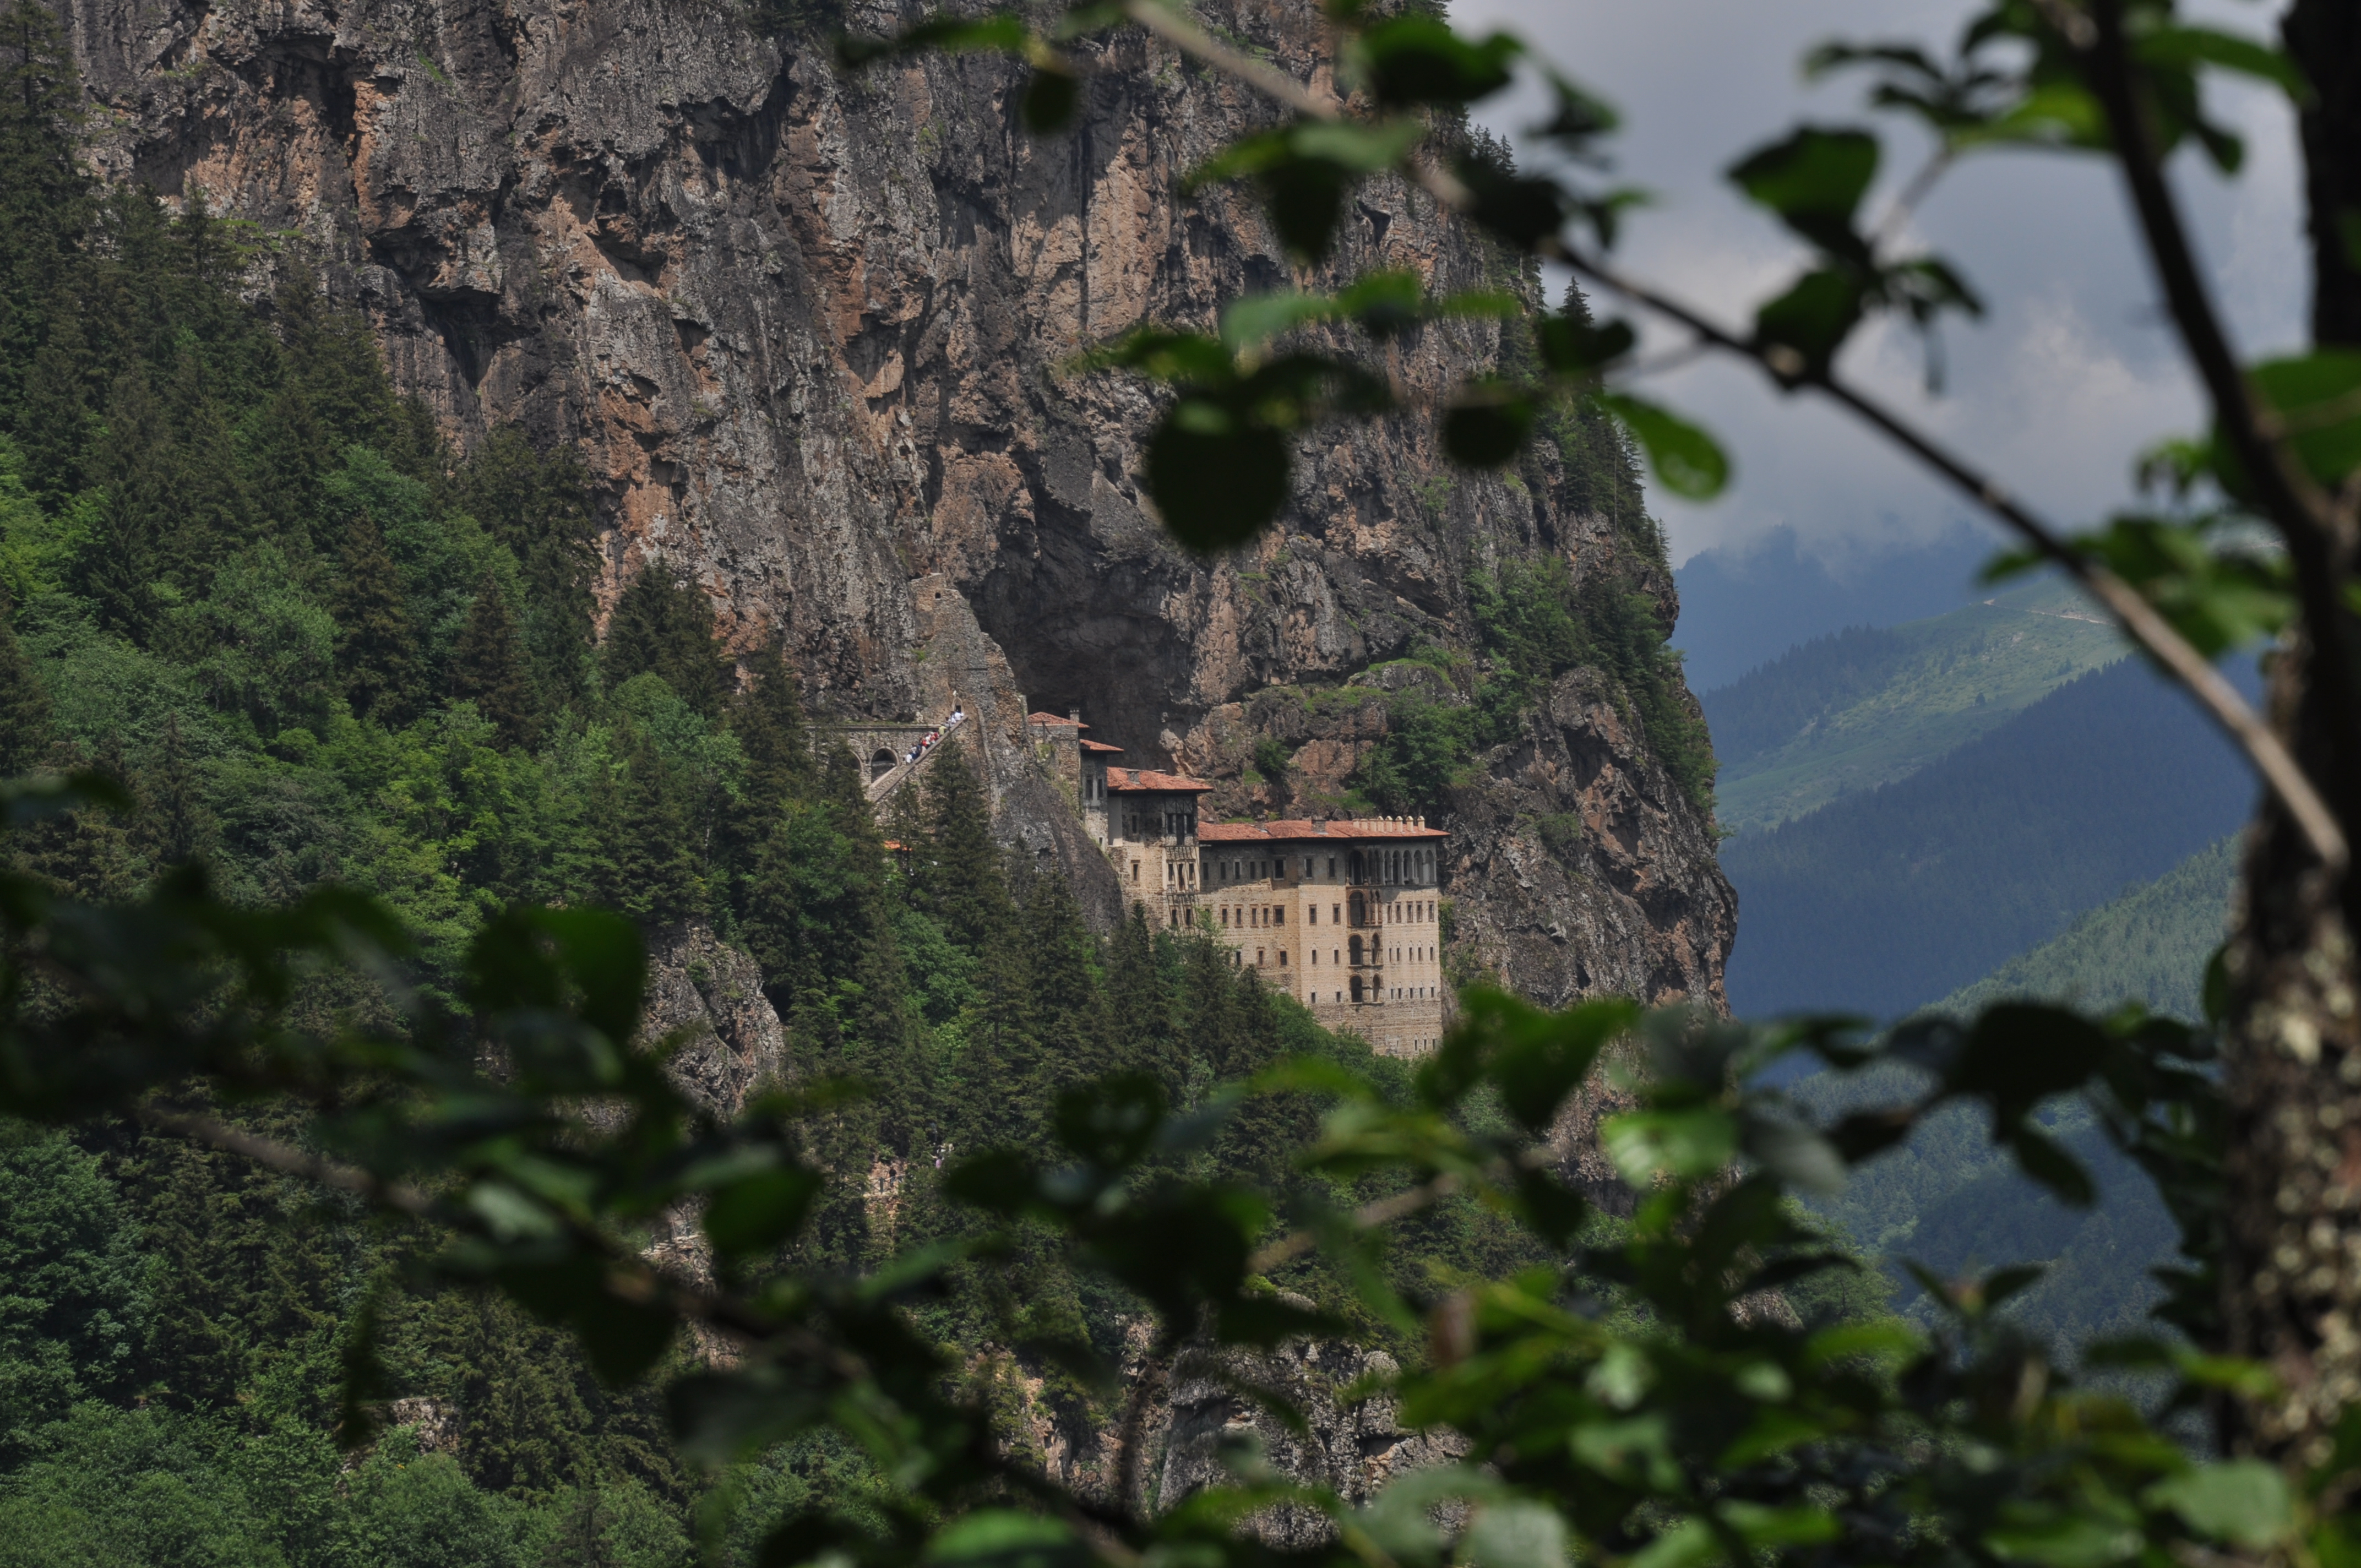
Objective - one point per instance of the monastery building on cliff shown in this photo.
(1340, 913)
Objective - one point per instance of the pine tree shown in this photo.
(874, 961)
(1004, 1079)
(24, 707)
(44, 194)
(377, 646)
(768, 719)
(539, 506)
(290, 456)
(212, 514)
(651, 866)
(54, 428)
(174, 824)
(957, 877)
(664, 625)
(1139, 1003)
(488, 666)
(1069, 1005)
(1217, 1023)
(334, 363)
(117, 568)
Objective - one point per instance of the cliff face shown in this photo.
(803, 327)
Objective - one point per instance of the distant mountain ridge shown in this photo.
(1744, 605)
(1866, 706)
(1887, 899)
(2150, 946)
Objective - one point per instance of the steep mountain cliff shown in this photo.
(805, 329)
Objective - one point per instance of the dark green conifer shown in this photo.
(212, 514)
(1069, 1019)
(24, 707)
(874, 963)
(333, 362)
(665, 625)
(1005, 1080)
(649, 862)
(174, 824)
(117, 570)
(956, 878)
(44, 195)
(539, 506)
(488, 666)
(377, 646)
(1139, 1003)
(1216, 1022)
(54, 428)
(768, 719)
(289, 456)
(40, 108)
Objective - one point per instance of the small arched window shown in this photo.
(1355, 947)
(1356, 988)
(880, 764)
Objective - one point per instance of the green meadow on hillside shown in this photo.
(1854, 710)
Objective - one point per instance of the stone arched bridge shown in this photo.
(880, 746)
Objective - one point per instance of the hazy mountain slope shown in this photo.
(1743, 606)
(1888, 899)
(1948, 1199)
(1864, 708)
(2149, 946)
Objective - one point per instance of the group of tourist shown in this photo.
(926, 743)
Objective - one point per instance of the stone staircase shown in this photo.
(882, 787)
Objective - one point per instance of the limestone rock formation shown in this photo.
(805, 329)
(1205, 1418)
(710, 995)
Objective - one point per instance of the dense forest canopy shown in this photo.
(323, 648)
(332, 896)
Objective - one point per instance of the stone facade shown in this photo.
(1343, 916)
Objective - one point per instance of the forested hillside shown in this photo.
(2150, 946)
(319, 646)
(1886, 900)
(1865, 707)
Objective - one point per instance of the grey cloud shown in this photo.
(2070, 375)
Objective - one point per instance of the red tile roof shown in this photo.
(1341, 828)
(1130, 780)
(1101, 746)
(1060, 719)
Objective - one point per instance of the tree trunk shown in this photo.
(2291, 1264)
(2324, 38)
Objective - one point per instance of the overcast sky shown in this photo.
(2068, 377)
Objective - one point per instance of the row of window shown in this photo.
(1276, 914)
(1336, 955)
(1407, 867)
(1151, 825)
(1374, 991)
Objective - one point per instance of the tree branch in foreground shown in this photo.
(2134, 615)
